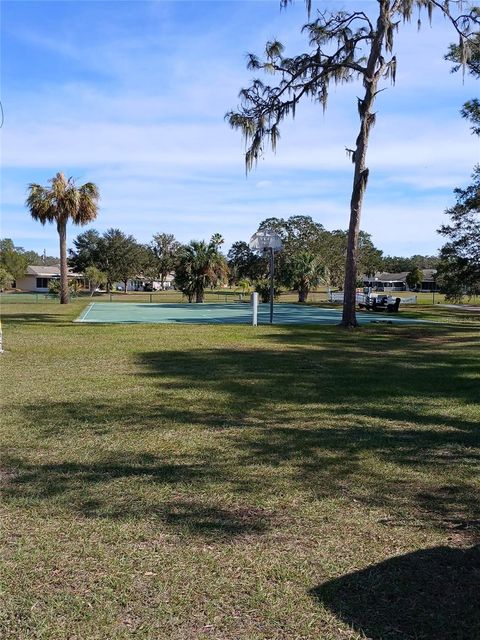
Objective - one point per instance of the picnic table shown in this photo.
(380, 303)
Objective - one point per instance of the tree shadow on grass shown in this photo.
(326, 368)
(371, 461)
(130, 487)
(411, 338)
(61, 418)
(35, 318)
(375, 426)
(363, 416)
(431, 594)
(404, 471)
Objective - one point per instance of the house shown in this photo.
(387, 281)
(140, 283)
(398, 281)
(429, 280)
(37, 278)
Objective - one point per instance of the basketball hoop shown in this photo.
(267, 240)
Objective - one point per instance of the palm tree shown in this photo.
(61, 202)
(245, 287)
(200, 265)
(307, 272)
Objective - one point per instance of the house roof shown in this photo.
(428, 276)
(391, 277)
(40, 271)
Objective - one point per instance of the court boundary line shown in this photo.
(85, 312)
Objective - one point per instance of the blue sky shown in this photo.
(132, 96)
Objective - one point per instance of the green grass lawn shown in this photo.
(177, 482)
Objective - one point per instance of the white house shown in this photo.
(398, 281)
(140, 283)
(38, 278)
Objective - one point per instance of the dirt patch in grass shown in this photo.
(6, 476)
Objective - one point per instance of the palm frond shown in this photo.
(63, 201)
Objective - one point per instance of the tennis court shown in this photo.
(216, 313)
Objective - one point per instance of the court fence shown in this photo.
(141, 297)
(223, 296)
(337, 297)
(12, 298)
(157, 297)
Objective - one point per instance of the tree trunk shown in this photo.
(125, 282)
(62, 233)
(302, 294)
(199, 296)
(360, 176)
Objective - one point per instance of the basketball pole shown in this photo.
(263, 241)
(255, 309)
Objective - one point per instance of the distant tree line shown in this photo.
(117, 257)
(398, 264)
(311, 257)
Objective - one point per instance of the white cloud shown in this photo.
(142, 115)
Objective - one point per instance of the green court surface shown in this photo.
(216, 313)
